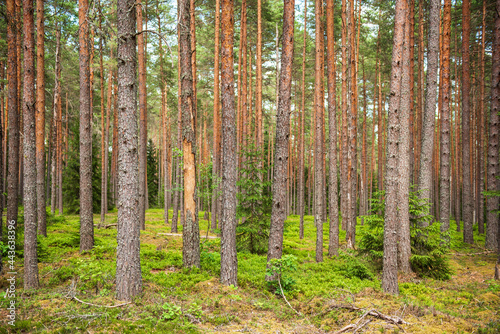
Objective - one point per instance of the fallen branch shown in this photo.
(279, 282)
(374, 313)
(106, 306)
(105, 226)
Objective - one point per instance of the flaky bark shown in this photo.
(390, 266)
(29, 101)
(217, 123)
(40, 119)
(493, 227)
(278, 213)
(86, 218)
(258, 89)
(333, 244)
(467, 207)
(128, 262)
(404, 246)
(229, 260)
(444, 182)
(13, 112)
(143, 132)
(190, 232)
(302, 129)
(318, 134)
(427, 143)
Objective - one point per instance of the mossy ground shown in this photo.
(176, 300)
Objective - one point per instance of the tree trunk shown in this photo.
(492, 222)
(302, 128)
(104, 144)
(128, 262)
(190, 232)
(29, 102)
(86, 218)
(217, 126)
(13, 111)
(278, 214)
(143, 131)
(390, 265)
(318, 131)
(444, 181)
(480, 178)
(344, 145)
(40, 119)
(332, 126)
(258, 79)
(404, 246)
(229, 260)
(427, 143)
(466, 151)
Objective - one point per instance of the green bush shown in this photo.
(254, 204)
(428, 249)
(282, 270)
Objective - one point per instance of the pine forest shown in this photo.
(259, 166)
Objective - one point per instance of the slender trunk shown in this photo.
(30, 172)
(493, 227)
(258, 79)
(332, 126)
(13, 114)
(404, 246)
(318, 131)
(190, 233)
(143, 131)
(128, 262)
(466, 189)
(390, 265)
(444, 181)
(103, 131)
(55, 127)
(480, 178)
(86, 218)
(427, 143)
(344, 145)
(302, 128)
(278, 214)
(40, 119)
(217, 126)
(229, 260)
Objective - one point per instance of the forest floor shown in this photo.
(326, 297)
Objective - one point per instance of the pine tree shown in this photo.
(128, 262)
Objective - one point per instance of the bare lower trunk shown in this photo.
(128, 263)
(333, 244)
(229, 260)
(279, 185)
(86, 218)
(390, 265)
(29, 102)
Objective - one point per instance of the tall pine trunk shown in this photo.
(86, 217)
(40, 119)
(29, 102)
(143, 131)
(332, 126)
(467, 208)
(390, 265)
(427, 141)
(444, 181)
(190, 232)
(493, 227)
(229, 260)
(128, 262)
(279, 185)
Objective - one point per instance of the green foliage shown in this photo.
(353, 267)
(152, 174)
(71, 174)
(428, 249)
(282, 270)
(170, 311)
(254, 204)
